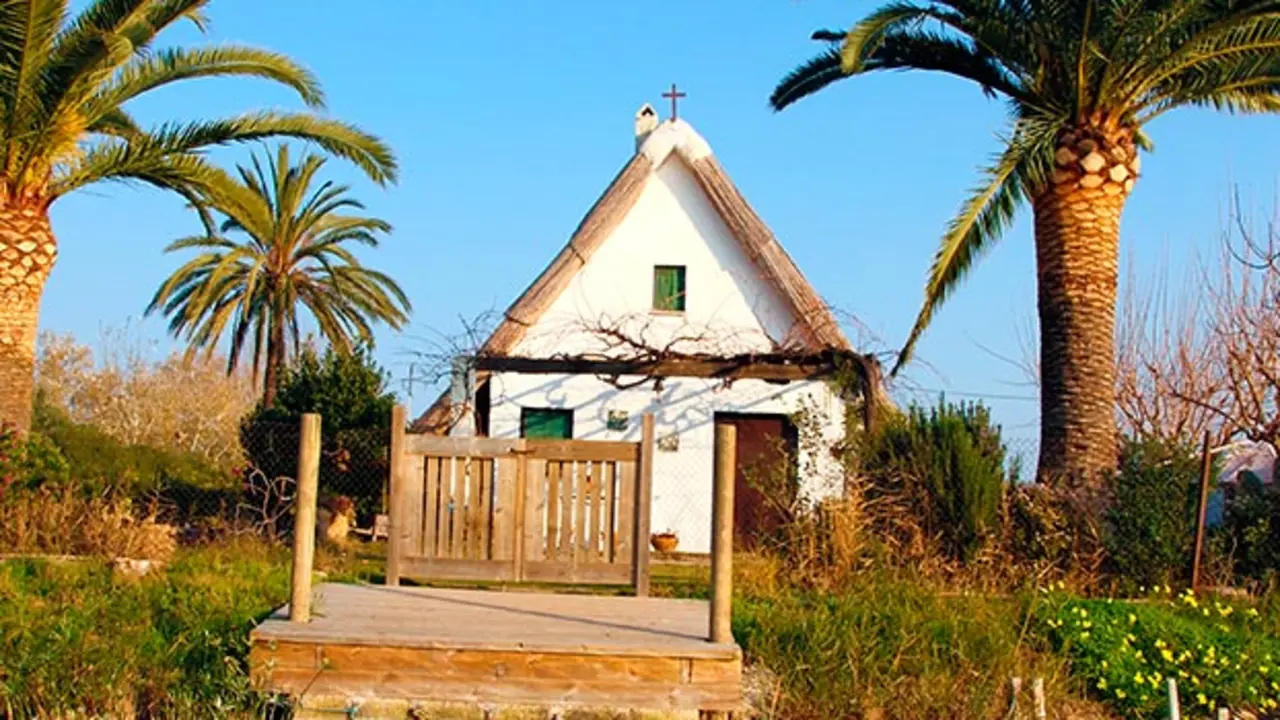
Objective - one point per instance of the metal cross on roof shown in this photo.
(675, 96)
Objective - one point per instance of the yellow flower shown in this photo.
(1084, 635)
(1251, 612)
(1137, 678)
(1200, 698)
(1132, 618)
(1120, 693)
(1104, 664)
(1102, 683)
(1167, 655)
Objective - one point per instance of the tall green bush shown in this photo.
(349, 392)
(949, 460)
(1150, 522)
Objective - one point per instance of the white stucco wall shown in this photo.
(686, 407)
(729, 308)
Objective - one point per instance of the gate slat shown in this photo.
(471, 541)
(553, 490)
(567, 476)
(431, 521)
(626, 509)
(458, 505)
(585, 487)
(593, 530)
(486, 509)
(610, 540)
(535, 529)
(415, 473)
(504, 501)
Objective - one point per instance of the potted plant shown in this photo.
(665, 542)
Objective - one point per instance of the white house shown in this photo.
(671, 297)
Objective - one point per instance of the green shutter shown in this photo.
(546, 423)
(668, 288)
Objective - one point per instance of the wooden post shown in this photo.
(1206, 467)
(722, 534)
(397, 533)
(1175, 711)
(304, 526)
(521, 456)
(643, 506)
(1037, 696)
(1015, 689)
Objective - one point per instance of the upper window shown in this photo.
(668, 288)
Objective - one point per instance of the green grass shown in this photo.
(75, 638)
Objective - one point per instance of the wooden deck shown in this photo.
(499, 649)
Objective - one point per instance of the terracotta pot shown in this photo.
(664, 542)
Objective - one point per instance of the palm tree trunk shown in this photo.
(275, 359)
(27, 254)
(1077, 228)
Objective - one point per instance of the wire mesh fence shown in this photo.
(256, 492)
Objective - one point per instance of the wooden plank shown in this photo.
(594, 503)
(475, 482)
(458, 506)
(485, 512)
(431, 517)
(595, 450)
(553, 493)
(536, 499)
(590, 573)
(445, 446)
(643, 507)
(626, 511)
(505, 511)
(567, 480)
(395, 539)
(415, 480)
(723, 482)
(584, 488)
(609, 542)
(460, 569)
(492, 689)
(452, 664)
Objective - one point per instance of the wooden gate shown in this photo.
(573, 511)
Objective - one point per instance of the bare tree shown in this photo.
(1205, 357)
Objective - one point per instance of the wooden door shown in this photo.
(765, 482)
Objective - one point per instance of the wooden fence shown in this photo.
(573, 511)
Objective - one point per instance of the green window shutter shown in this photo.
(668, 288)
(546, 423)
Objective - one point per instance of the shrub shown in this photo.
(28, 462)
(1150, 522)
(947, 464)
(99, 462)
(1248, 539)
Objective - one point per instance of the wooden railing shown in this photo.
(573, 511)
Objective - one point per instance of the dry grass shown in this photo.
(64, 522)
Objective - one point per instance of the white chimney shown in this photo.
(646, 122)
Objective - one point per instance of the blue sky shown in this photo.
(510, 118)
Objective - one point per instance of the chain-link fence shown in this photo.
(256, 493)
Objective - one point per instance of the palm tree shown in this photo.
(65, 83)
(1082, 79)
(293, 252)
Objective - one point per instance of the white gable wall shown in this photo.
(729, 307)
